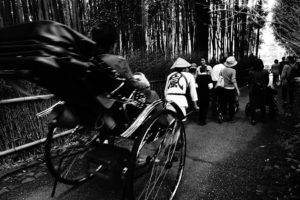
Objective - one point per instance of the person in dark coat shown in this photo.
(287, 82)
(281, 64)
(258, 82)
(204, 83)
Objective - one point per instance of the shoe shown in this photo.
(220, 118)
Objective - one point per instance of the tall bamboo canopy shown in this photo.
(151, 32)
(206, 28)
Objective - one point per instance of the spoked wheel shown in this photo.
(158, 158)
(65, 152)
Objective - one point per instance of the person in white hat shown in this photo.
(150, 95)
(228, 95)
(179, 83)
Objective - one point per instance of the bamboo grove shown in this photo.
(206, 28)
(155, 30)
(286, 24)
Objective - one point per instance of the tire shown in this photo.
(65, 156)
(157, 161)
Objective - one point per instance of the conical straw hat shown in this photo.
(180, 63)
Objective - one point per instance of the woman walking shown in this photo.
(228, 95)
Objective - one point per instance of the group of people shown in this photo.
(201, 82)
(283, 73)
(179, 83)
(263, 85)
(205, 86)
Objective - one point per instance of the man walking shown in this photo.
(215, 74)
(275, 71)
(178, 82)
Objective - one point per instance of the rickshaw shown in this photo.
(144, 157)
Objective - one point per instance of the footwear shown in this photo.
(220, 118)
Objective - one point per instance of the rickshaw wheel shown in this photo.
(158, 158)
(65, 152)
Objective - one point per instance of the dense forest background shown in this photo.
(152, 33)
(286, 24)
(160, 29)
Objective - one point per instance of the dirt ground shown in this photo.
(228, 161)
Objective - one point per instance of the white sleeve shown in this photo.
(197, 71)
(192, 86)
(166, 86)
(271, 81)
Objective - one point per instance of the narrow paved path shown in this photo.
(224, 161)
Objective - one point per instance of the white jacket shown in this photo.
(215, 72)
(176, 86)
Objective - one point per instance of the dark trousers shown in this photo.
(253, 108)
(227, 101)
(253, 112)
(203, 103)
(288, 91)
(214, 98)
(275, 79)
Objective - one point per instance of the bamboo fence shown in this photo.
(20, 128)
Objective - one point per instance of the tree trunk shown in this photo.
(202, 18)
(257, 41)
(138, 32)
(25, 10)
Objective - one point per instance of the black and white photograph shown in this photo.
(149, 99)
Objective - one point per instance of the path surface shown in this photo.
(224, 161)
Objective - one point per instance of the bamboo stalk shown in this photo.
(32, 144)
(25, 99)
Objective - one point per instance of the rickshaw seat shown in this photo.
(57, 58)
